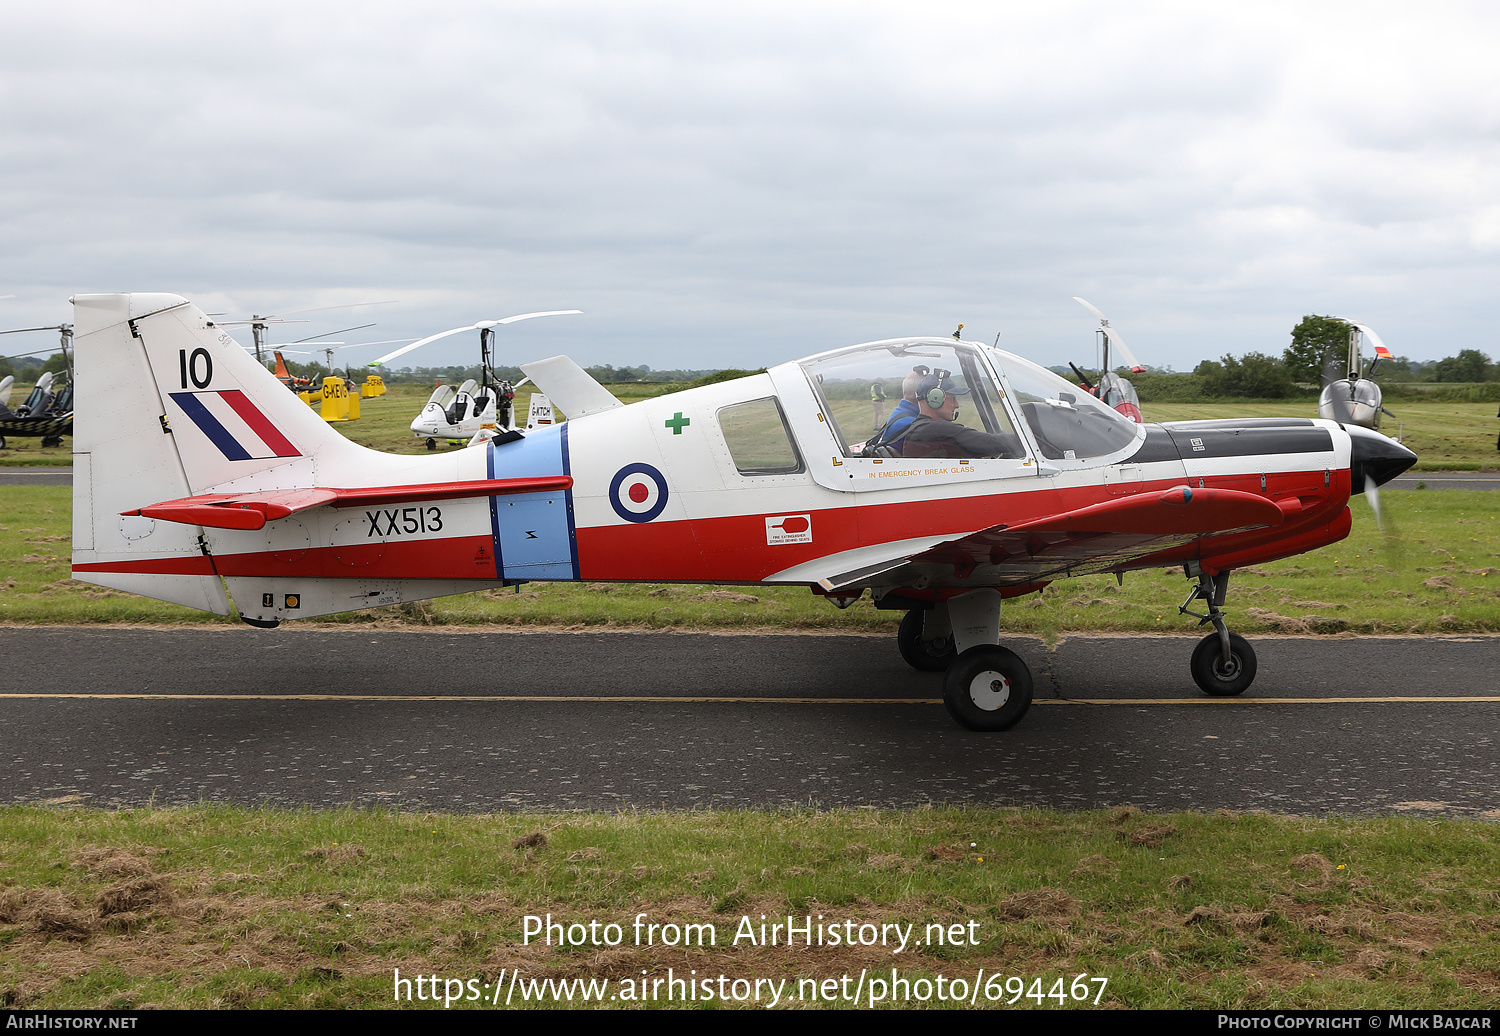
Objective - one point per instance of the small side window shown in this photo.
(758, 438)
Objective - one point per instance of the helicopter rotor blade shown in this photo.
(482, 325)
(348, 305)
(1115, 340)
(528, 316)
(1086, 304)
(325, 334)
(1121, 348)
(419, 343)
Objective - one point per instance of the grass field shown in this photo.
(219, 907)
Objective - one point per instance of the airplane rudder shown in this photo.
(230, 417)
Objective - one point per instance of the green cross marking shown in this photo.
(677, 422)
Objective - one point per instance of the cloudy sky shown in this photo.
(740, 184)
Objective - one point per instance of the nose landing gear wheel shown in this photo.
(987, 688)
(926, 656)
(432, 444)
(1214, 675)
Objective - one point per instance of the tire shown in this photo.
(987, 688)
(432, 444)
(1210, 673)
(925, 656)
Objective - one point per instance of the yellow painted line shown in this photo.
(1206, 700)
(488, 697)
(696, 699)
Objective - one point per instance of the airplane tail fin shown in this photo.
(167, 406)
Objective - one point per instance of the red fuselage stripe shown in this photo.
(734, 549)
(259, 423)
(187, 565)
(462, 557)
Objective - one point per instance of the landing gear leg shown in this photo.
(925, 640)
(987, 687)
(1223, 663)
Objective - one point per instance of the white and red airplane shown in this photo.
(199, 480)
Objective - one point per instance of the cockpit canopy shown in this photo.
(1064, 422)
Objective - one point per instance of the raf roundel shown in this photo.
(638, 493)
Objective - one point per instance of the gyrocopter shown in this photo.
(473, 411)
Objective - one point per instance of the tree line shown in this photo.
(1302, 364)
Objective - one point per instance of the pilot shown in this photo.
(936, 432)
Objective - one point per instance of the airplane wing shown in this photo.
(1090, 539)
(252, 510)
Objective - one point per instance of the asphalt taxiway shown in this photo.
(487, 721)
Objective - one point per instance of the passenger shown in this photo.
(904, 413)
(937, 433)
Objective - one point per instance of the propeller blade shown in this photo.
(1372, 494)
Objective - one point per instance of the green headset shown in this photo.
(936, 387)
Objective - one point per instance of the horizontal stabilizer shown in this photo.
(251, 511)
(569, 387)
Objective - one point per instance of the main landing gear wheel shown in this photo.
(1217, 677)
(987, 688)
(926, 656)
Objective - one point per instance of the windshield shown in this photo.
(1067, 422)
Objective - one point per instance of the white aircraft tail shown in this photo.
(168, 406)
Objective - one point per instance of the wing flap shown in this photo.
(251, 511)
